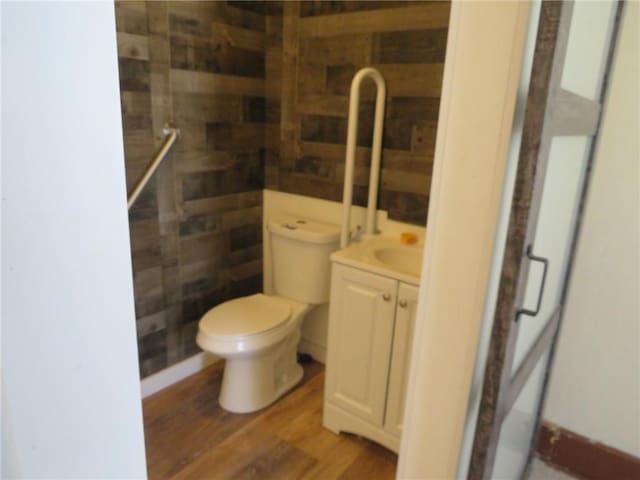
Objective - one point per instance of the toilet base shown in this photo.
(254, 382)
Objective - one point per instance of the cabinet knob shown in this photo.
(402, 303)
(386, 297)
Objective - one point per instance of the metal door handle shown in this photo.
(545, 263)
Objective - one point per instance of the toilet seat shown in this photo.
(246, 324)
(245, 316)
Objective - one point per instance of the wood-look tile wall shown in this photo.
(260, 93)
(196, 229)
(313, 50)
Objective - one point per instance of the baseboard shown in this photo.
(582, 457)
(164, 378)
(318, 352)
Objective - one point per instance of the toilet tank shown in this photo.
(300, 249)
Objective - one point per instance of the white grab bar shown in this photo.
(376, 148)
(171, 134)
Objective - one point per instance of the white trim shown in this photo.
(482, 67)
(338, 420)
(167, 377)
(318, 352)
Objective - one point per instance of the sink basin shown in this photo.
(403, 259)
(384, 255)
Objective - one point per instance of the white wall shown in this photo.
(595, 381)
(71, 393)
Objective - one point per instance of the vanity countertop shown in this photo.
(384, 255)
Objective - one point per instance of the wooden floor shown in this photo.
(188, 436)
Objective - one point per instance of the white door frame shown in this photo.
(485, 50)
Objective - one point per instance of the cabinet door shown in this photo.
(360, 335)
(400, 357)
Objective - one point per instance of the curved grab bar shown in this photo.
(376, 148)
(171, 134)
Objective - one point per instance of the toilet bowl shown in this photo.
(258, 334)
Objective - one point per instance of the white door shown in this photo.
(360, 334)
(400, 357)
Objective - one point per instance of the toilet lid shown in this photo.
(245, 316)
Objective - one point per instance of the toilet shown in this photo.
(258, 334)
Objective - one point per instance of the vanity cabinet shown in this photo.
(405, 320)
(371, 320)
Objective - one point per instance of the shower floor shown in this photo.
(189, 436)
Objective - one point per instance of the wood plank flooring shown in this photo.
(188, 436)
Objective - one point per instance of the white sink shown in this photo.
(404, 259)
(384, 255)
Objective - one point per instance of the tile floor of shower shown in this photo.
(188, 435)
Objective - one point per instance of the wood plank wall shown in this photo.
(196, 229)
(313, 50)
(260, 92)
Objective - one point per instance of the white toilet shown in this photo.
(258, 335)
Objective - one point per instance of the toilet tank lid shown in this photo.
(304, 229)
